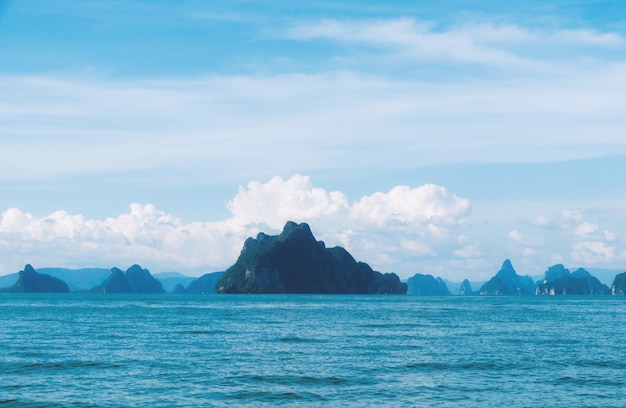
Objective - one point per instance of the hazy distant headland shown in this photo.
(295, 262)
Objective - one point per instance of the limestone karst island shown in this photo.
(295, 262)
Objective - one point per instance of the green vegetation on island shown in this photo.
(295, 262)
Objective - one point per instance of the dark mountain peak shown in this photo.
(508, 282)
(116, 271)
(291, 230)
(295, 262)
(141, 281)
(135, 269)
(31, 281)
(555, 272)
(506, 271)
(134, 280)
(581, 273)
(466, 288)
(115, 283)
(426, 285)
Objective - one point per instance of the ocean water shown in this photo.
(79, 350)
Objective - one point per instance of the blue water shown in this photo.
(103, 350)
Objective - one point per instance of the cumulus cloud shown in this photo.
(585, 228)
(593, 252)
(278, 200)
(407, 230)
(525, 239)
(429, 204)
(388, 230)
(582, 237)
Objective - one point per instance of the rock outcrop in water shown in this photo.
(508, 282)
(559, 281)
(466, 288)
(134, 280)
(295, 262)
(30, 281)
(426, 285)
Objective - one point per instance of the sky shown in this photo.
(423, 137)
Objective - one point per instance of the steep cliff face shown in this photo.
(31, 281)
(466, 288)
(426, 285)
(134, 280)
(295, 262)
(508, 282)
(619, 284)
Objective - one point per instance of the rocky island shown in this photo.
(30, 281)
(619, 284)
(426, 285)
(508, 282)
(559, 281)
(134, 280)
(295, 262)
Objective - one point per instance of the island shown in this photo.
(30, 281)
(295, 262)
(426, 285)
(134, 280)
(508, 282)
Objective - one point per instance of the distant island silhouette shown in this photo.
(295, 262)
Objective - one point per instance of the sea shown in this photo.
(87, 350)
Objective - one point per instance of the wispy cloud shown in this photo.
(90, 125)
(497, 45)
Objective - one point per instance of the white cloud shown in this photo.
(81, 126)
(387, 230)
(593, 252)
(428, 204)
(525, 239)
(585, 228)
(418, 247)
(468, 251)
(588, 37)
(278, 200)
(418, 39)
(486, 43)
(406, 230)
(576, 237)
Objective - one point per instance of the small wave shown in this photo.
(269, 396)
(388, 325)
(601, 382)
(617, 365)
(462, 366)
(296, 339)
(64, 365)
(296, 380)
(203, 332)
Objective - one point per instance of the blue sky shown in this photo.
(424, 138)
